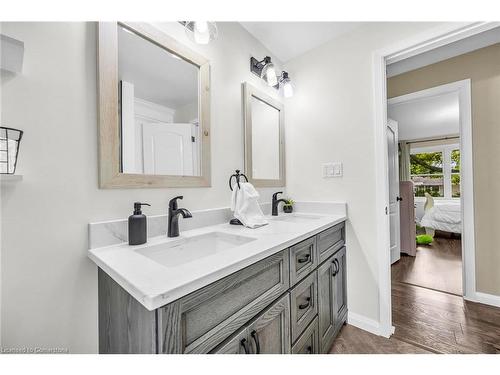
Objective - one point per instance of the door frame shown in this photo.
(463, 89)
(426, 41)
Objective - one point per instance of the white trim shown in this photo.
(446, 35)
(467, 190)
(153, 111)
(484, 298)
(364, 323)
(421, 43)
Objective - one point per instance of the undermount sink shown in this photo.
(295, 218)
(186, 250)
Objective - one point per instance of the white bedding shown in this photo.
(444, 216)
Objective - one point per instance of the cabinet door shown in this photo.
(239, 344)
(339, 282)
(326, 304)
(270, 332)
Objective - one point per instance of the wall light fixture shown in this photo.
(266, 70)
(201, 32)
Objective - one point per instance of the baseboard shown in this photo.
(484, 298)
(364, 323)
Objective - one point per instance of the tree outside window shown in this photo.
(436, 172)
(427, 173)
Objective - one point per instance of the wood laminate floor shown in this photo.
(428, 321)
(436, 266)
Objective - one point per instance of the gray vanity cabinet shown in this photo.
(339, 282)
(308, 342)
(269, 333)
(330, 241)
(303, 259)
(304, 304)
(238, 344)
(293, 301)
(198, 322)
(332, 302)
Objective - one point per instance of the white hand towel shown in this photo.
(244, 203)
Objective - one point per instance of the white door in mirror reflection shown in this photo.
(167, 149)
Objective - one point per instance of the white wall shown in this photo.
(330, 118)
(49, 287)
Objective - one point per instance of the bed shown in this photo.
(441, 215)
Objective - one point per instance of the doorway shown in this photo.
(402, 50)
(429, 192)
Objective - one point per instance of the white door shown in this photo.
(393, 211)
(167, 149)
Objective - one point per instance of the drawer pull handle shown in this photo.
(305, 259)
(305, 305)
(337, 267)
(245, 345)
(256, 339)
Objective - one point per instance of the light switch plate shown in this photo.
(332, 170)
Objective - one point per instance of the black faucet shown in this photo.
(173, 216)
(275, 203)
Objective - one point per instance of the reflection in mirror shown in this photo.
(159, 109)
(265, 140)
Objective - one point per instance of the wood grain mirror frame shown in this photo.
(250, 91)
(110, 175)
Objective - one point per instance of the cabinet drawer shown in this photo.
(200, 321)
(304, 304)
(308, 342)
(303, 259)
(330, 240)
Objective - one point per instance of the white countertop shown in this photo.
(155, 285)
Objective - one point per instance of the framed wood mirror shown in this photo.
(264, 138)
(154, 109)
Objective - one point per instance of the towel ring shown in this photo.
(236, 175)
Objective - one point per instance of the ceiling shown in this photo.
(157, 75)
(287, 40)
(427, 117)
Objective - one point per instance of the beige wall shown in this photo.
(49, 286)
(482, 67)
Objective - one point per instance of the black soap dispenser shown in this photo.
(137, 226)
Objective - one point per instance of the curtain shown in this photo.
(404, 161)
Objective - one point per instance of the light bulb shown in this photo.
(271, 78)
(287, 89)
(201, 32)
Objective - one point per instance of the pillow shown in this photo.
(424, 239)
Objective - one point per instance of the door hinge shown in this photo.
(386, 210)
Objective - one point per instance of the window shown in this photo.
(436, 170)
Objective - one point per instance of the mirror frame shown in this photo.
(110, 175)
(250, 91)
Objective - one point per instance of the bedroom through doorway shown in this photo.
(425, 128)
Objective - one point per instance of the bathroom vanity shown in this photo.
(219, 289)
